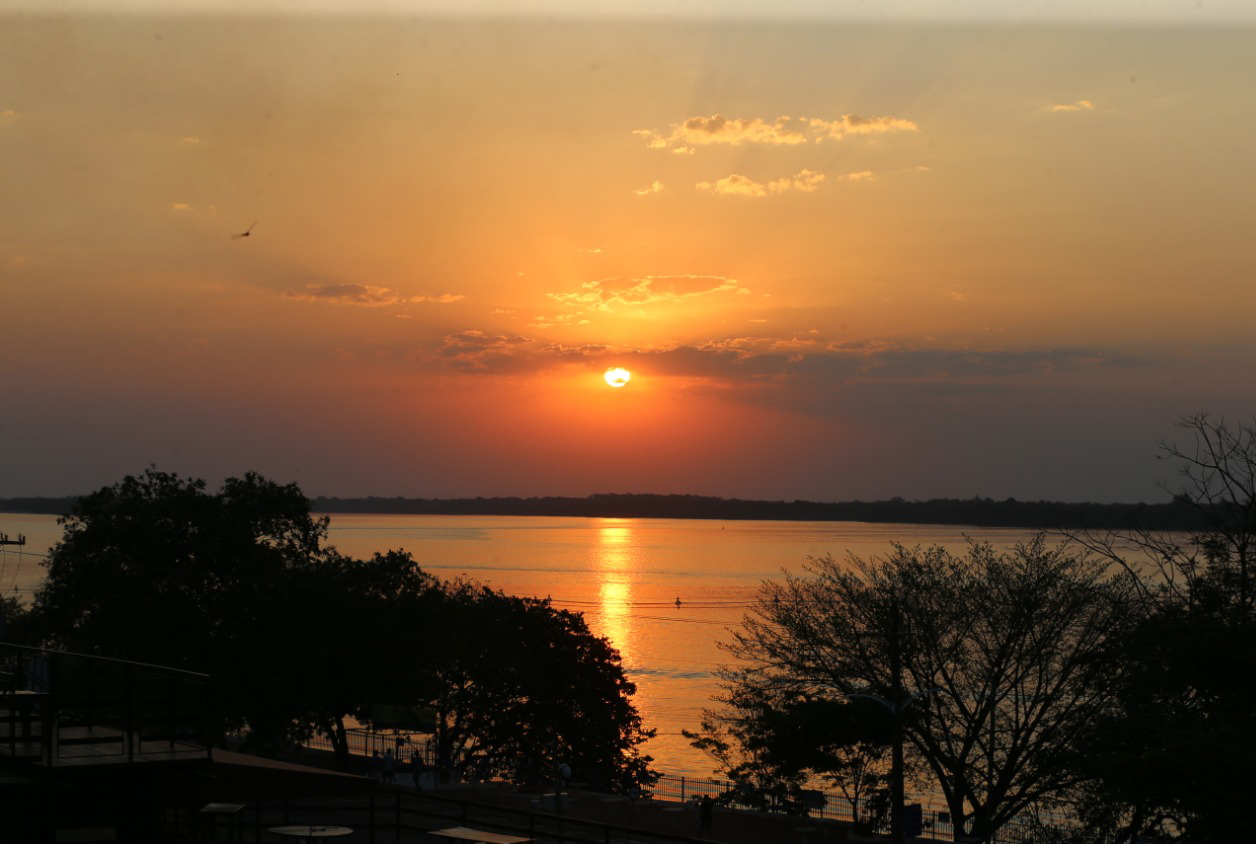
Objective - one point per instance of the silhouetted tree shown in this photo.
(524, 687)
(156, 569)
(774, 746)
(1004, 653)
(1174, 760)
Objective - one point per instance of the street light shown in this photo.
(896, 759)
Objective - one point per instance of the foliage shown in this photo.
(13, 620)
(1174, 759)
(1003, 652)
(297, 638)
(156, 569)
(774, 746)
(524, 688)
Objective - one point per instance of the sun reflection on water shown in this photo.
(616, 557)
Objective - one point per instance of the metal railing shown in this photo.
(57, 706)
(931, 820)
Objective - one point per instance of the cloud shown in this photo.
(558, 320)
(8, 115)
(805, 181)
(733, 185)
(860, 176)
(188, 139)
(653, 187)
(783, 131)
(1079, 105)
(362, 295)
(442, 299)
(795, 372)
(718, 129)
(476, 350)
(609, 293)
(853, 124)
(180, 206)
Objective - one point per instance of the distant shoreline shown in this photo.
(980, 512)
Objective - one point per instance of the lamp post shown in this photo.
(896, 757)
(895, 705)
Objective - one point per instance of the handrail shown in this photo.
(161, 669)
(137, 706)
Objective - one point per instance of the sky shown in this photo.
(898, 251)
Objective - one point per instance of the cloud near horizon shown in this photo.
(801, 362)
(473, 350)
(362, 295)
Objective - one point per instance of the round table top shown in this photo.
(313, 831)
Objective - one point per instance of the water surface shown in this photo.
(664, 591)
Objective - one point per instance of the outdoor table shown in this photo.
(309, 833)
(466, 833)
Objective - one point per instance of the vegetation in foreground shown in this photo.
(1108, 677)
(241, 585)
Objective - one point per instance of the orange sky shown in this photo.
(842, 259)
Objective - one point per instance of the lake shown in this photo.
(625, 575)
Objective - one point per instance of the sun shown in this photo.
(617, 377)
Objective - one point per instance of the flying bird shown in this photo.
(244, 233)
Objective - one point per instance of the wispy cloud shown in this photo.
(719, 129)
(800, 363)
(609, 293)
(558, 320)
(362, 295)
(442, 299)
(805, 181)
(733, 185)
(853, 124)
(654, 187)
(1079, 105)
(8, 115)
(189, 139)
(477, 350)
(180, 206)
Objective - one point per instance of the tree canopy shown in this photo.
(1001, 652)
(241, 585)
(1173, 760)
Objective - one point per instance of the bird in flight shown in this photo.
(244, 233)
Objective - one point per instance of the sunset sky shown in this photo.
(843, 257)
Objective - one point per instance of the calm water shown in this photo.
(625, 575)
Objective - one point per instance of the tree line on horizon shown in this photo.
(1177, 514)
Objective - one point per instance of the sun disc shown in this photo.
(617, 377)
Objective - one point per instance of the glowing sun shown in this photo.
(617, 377)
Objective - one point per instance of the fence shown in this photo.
(922, 818)
(61, 705)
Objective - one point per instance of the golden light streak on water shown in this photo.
(616, 558)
